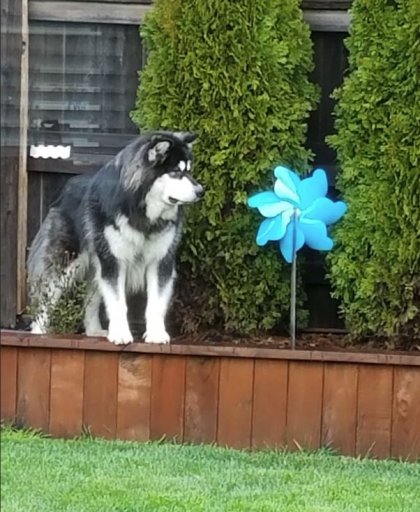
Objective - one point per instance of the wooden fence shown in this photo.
(357, 404)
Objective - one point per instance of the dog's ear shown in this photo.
(186, 137)
(159, 149)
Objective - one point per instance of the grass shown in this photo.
(50, 475)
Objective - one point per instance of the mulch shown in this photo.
(327, 341)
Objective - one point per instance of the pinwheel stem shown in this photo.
(293, 285)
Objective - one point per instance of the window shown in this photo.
(83, 82)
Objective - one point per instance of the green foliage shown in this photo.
(236, 73)
(66, 315)
(375, 269)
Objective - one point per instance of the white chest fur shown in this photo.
(125, 242)
(131, 247)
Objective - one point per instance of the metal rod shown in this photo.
(293, 286)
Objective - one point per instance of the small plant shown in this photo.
(66, 314)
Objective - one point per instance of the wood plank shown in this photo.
(92, 12)
(134, 392)
(374, 411)
(33, 388)
(22, 201)
(304, 405)
(67, 382)
(339, 416)
(24, 339)
(328, 21)
(34, 205)
(270, 404)
(8, 375)
(100, 393)
(168, 396)
(201, 399)
(405, 442)
(326, 4)
(235, 402)
(334, 20)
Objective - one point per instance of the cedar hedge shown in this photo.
(375, 268)
(236, 73)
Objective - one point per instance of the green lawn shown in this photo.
(46, 475)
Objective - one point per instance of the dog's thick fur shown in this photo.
(123, 225)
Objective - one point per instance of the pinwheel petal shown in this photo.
(270, 229)
(315, 234)
(285, 193)
(288, 177)
(286, 243)
(261, 198)
(270, 210)
(312, 188)
(325, 210)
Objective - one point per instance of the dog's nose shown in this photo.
(200, 191)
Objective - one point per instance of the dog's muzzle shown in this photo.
(200, 191)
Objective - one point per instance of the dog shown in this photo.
(123, 224)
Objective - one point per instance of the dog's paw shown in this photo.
(120, 335)
(36, 328)
(158, 336)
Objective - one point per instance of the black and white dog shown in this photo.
(124, 225)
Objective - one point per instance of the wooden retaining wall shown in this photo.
(358, 404)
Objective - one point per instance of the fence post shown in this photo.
(13, 172)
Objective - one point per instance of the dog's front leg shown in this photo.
(111, 283)
(159, 283)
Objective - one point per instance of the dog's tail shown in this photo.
(52, 266)
(53, 247)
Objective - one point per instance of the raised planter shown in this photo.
(356, 403)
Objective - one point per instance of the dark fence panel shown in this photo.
(13, 161)
(330, 67)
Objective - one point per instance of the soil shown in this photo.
(327, 341)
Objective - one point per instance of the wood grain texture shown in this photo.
(374, 411)
(304, 405)
(235, 402)
(405, 441)
(22, 202)
(8, 376)
(328, 21)
(67, 386)
(339, 416)
(92, 12)
(134, 392)
(33, 390)
(100, 393)
(23, 339)
(201, 399)
(168, 393)
(270, 404)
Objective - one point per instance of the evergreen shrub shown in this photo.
(236, 73)
(375, 268)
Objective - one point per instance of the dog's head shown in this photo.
(161, 164)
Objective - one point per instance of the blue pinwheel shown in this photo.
(297, 212)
